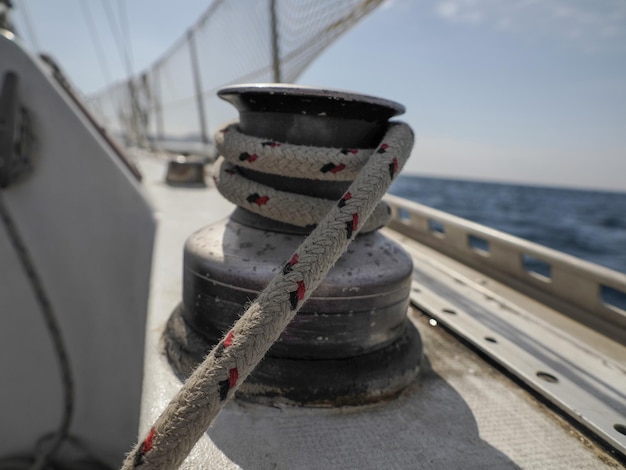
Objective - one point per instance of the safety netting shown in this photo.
(173, 104)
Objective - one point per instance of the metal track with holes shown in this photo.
(558, 332)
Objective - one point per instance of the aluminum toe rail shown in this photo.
(560, 331)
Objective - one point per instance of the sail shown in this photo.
(173, 102)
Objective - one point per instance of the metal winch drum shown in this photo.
(351, 343)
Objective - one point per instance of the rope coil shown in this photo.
(215, 381)
(239, 150)
(296, 161)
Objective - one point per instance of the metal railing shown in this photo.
(587, 292)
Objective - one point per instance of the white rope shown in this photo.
(295, 161)
(239, 150)
(216, 379)
(290, 208)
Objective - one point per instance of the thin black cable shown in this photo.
(50, 320)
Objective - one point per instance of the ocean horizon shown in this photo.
(586, 223)
(505, 182)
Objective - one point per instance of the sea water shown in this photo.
(588, 224)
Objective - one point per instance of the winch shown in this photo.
(351, 343)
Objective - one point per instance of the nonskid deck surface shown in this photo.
(462, 412)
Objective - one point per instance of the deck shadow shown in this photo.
(428, 426)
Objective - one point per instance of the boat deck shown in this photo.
(89, 232)
(462, 411)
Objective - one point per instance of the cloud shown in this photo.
(448, 9)
(581, 23)
(459, 11)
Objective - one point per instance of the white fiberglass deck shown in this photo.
(462, 412)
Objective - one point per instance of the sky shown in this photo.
(523, 91)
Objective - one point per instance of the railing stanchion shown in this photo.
(197, 81)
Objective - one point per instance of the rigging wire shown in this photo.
(114, 26)
(29, 25)
(95, 38)
(118, 27)
(123, 20)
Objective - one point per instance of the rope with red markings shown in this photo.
(216, 379)
(283, 159)
(243, 152)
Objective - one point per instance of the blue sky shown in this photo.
(529, 91)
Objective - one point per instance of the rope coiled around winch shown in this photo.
(239, 150)
(216, 379)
